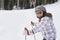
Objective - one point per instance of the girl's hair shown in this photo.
(47, 14)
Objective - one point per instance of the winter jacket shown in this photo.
(47, 28)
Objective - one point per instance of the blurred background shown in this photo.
(23, 4)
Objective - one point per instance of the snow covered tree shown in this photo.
(32, 3)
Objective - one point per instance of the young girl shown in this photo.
(45, 24)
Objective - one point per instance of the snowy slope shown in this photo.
(13, 22)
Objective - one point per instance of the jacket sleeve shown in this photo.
(42, 24)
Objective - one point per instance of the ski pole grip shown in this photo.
(27, 30)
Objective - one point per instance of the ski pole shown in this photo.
(25, 37)
(27, 33)
(34, 37)
(34, 34)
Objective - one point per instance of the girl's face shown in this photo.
(39, 14)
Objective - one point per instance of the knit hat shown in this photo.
(40, 8)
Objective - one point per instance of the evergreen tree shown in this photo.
(8, 4)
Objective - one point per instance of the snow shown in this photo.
(12, 22)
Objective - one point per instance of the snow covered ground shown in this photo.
(12, 22)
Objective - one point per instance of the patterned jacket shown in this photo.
(47, 28)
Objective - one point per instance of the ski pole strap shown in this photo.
(27, 31)
(34, 35)
(33, 32)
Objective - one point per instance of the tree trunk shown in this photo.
(2, 4)
(18, 4)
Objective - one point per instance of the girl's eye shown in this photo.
(40, 12)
